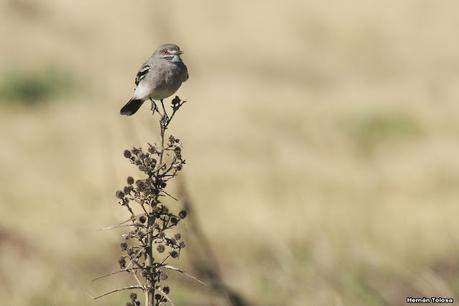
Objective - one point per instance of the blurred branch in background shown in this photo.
(203, 259)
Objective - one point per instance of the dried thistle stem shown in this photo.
(152, 240)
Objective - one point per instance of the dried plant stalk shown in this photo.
(153, 239)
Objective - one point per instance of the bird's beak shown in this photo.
(179, 52)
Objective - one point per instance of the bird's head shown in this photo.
(170, 52)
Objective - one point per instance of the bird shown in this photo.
(160, 76)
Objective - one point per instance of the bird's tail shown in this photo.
(131, 107)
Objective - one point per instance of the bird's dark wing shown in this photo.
(141, 74)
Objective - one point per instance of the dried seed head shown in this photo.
(129, 304)
(183, 214)
(152, 149)
(130, 180)
(140, 185)
(163, 276)
(160, 248)
(166, 290)
(182, 244)
(178, 236)
(158, 297)
(176, 100)
(122, 262)
(174, 220)
(135, 151)
(150, 161)
(133, 296)
(142, 219)
(127, 153)
(141, 234)
(174, 254)
(124, 246)
(120, 194)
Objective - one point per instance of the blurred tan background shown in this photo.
(321, 138)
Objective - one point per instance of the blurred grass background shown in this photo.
(321, 137)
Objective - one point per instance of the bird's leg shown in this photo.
(164, 109)
(165, 117)
(154, 107)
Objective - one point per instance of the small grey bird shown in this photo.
(158, 78)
